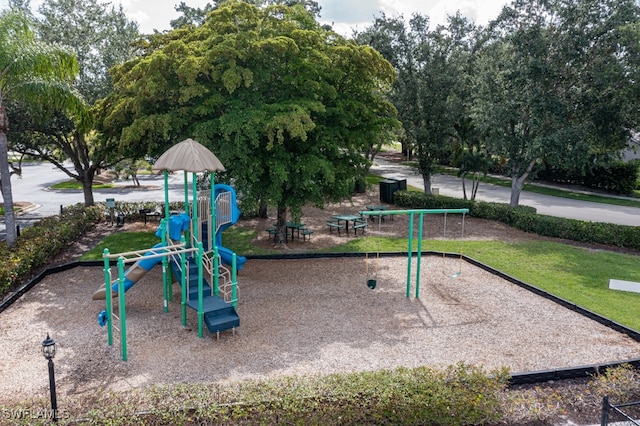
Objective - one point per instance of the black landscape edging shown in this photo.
(635, 335)
(531, 377)
(578, 372)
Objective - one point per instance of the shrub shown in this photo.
(43, 240)
(526, 219)
(458, 395)
(621, 383)
(615, 176)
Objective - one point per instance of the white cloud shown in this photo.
(343, 14)
(348, 14)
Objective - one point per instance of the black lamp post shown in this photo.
(49, 351)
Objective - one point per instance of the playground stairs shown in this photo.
(219, 315)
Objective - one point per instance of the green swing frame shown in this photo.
(412, 213)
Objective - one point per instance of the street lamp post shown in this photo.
(49, 351)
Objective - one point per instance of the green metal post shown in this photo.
(164, 230)
(166, 293)
(186, 193)
(409, 253)
(214, 222)
(420, 227)
(234, 281)
(167, 210)
(186, 202)
(216, 269)
(200, 291)
(183, 283)
(194, 219)
(109, 301)
(123, 315)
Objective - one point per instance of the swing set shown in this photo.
(444, 255)
(371, 282)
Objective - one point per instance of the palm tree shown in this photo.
(38, 74)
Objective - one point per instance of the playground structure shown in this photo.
(412, 213)
(188, 250)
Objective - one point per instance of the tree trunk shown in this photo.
(87, 189)
(263, 209)
(281, 225)
(5, 178)
(516, 187)
(426, 180)
(474, 186)
(517, 183)
(464, 186)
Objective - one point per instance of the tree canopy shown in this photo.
(41, 76)
(548, 83)
(431, 89)
(556, 82)
(287, 105)
(101, 36)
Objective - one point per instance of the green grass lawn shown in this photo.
(74, 184)
(575, 274)
(122, 242)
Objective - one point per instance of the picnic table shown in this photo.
(348, 218)
(295, 230)
(378, 208)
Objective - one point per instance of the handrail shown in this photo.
(132, 256)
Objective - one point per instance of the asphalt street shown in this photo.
(38, 178)
(548, 205)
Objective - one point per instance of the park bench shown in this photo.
(272, 232)
(334, 224)
(361, 225)
(148, 213)
(306, 233)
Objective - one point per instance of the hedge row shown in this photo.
(526, 219)
(616, 176)
(38, 243)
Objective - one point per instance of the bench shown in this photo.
(306, 233)
(334, 225)
(359, 225)
(272, 232)
(148, 213)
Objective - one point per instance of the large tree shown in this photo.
(101, 37)
(429, 91)
(196, 16)
(557, 83)
(288, 106)
(40, 75)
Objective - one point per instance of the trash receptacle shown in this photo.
(402, 184)
(387, 188)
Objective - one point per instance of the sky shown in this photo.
(344, 15)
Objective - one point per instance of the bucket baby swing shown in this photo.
(372, 279)
(457, 273)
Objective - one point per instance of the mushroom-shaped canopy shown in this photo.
(190, 156)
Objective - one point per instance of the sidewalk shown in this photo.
(544, 204)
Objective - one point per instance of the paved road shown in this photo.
(37, 179)
(544, 204)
